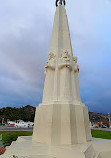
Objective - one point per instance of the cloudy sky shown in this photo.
(25, 32)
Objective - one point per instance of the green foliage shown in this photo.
(101, 134)
(13, 113)
(8, 140)
(9, 136)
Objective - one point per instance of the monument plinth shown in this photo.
(61, 128)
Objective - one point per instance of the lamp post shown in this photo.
(109, 120)
(2, 121)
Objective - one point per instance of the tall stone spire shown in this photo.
(61, 87)
(61, 118)
(60, 40)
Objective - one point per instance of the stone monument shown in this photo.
(61, 128)
(61, 118)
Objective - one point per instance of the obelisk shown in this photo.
(61, 118)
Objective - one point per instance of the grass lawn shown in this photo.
(101, 134)
(9, 136)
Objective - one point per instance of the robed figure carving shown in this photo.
(49, 78)
(65, 76)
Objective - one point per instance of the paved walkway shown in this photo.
(102, 129)
(7, 128)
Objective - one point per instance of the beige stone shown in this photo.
(61, 119)
(24, 148)
(61, 124)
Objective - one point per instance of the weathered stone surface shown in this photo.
(97, 148)
(61, 118)
(60, 124)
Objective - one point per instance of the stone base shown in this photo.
(61, 124)
(23, 148)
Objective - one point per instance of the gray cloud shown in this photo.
(25, 32)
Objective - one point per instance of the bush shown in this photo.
(2, 150)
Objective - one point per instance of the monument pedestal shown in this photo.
(61, 124)
(24, 148)
(61, 131)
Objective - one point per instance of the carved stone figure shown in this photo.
(51, 56)
(76, 80)
(76, 67)
(51, 62)
(65, 76)
(65, 60)
(49, 77)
